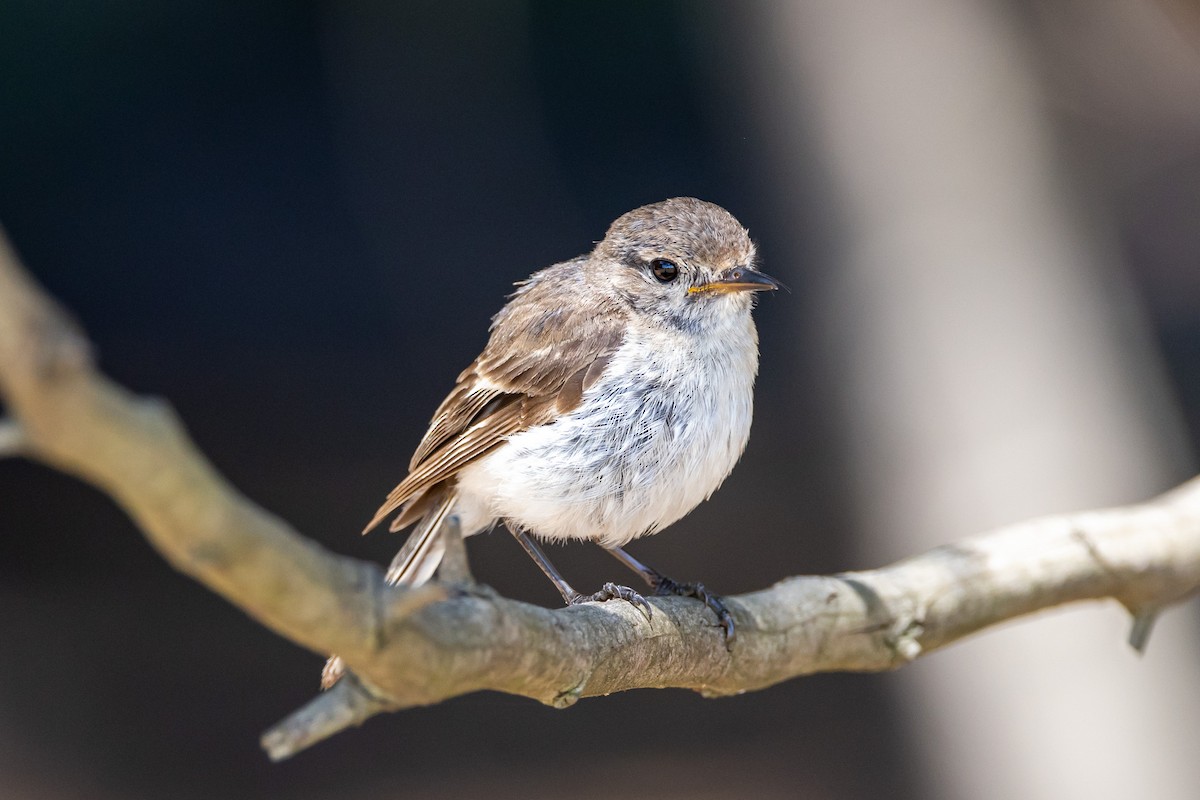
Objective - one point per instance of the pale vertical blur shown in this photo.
(992, 365)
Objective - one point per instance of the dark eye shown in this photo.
(664, 270)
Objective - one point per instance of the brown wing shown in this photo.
(547, 346)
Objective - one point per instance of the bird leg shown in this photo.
(609, 591)
(662, 585)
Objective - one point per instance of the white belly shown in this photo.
(655, 436)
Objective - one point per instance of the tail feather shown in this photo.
(414, 565)
(423, 551)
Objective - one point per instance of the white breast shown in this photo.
(655, 436)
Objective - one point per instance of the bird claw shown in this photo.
(665, 586)
(611, 591)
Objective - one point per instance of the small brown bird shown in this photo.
(614, 395)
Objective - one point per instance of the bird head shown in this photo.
(683, 262)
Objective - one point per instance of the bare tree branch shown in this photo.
(423, 646)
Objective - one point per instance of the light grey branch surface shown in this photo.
(423, 646)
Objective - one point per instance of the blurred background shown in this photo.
(294, 220)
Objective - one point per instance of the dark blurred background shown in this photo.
(294, 219)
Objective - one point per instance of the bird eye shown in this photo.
(664, 270)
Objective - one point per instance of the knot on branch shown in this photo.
(904, 636)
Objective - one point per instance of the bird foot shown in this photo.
(664, 586)
(611, 591)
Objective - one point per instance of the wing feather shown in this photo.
(548, 345)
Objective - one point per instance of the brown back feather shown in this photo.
(548, 346)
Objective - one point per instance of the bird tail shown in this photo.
(414, 565)
(421, 554)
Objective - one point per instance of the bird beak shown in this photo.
(739, 279)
